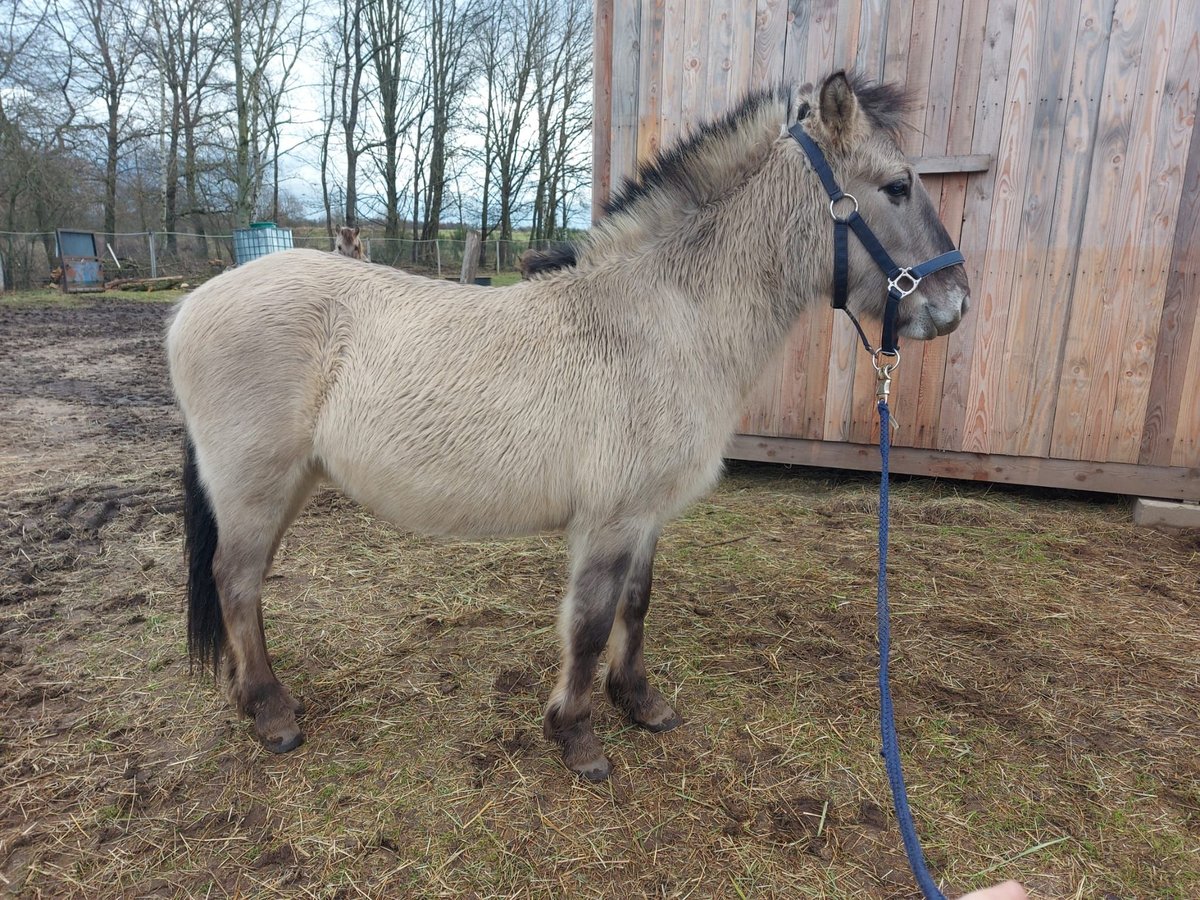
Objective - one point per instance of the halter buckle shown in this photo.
(904, 283)
(833, 204)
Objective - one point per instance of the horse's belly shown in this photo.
(442, 495)
(469, 514)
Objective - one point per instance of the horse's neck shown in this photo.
(747, 293)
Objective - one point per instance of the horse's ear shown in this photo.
(838, 106)
(356, 231)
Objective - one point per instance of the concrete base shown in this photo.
(1169, 514)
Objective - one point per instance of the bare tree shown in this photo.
(393, 28)
(562, 81)
(37, 169)
(187, 43)
(448, 76)
(266, 40)
(510, 45)
(354, 59)
(106, 38)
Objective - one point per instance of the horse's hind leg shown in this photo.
(600, 565)
(251, 522)
(626, 683)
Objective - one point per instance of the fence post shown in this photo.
(1, 273)
(153, 257)
(437, 249)
(470, 258)
(367, 249)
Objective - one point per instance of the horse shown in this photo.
(348, 243)
(595, 399)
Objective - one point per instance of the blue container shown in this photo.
(258, 240)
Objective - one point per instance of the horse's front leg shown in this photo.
(600, 566)
(626, 683)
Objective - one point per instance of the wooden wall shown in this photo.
(1066, 136)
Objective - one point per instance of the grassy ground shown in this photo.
(1046, 675)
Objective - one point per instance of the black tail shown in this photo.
(206, 628)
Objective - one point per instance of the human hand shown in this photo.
(1009, 890)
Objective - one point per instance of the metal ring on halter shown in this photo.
(832, 203)
(885, 369)
(894, 284)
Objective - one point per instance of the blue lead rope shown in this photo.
(887, 723)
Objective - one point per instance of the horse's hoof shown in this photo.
(285, 744)
(595, 770)
(669, 723)
(275, 725)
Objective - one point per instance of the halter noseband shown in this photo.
(902, 281)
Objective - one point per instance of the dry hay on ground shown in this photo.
(1046, 671)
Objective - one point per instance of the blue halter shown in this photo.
(902, 281)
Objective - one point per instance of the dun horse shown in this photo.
(348, 243)
(596, 398)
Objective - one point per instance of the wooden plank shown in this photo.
(1186, 451)
(997, 39)
(1167, 482)
(996, 285)
(1145, 277)
(674, 66)
(1049, 258)
(821, 54)
(627, 60)
(650, 78)
(1167, 421)
(694, 102)
(846, 19)
(770, 38)
(870, 52)
(602, 50)
(895, 48)
(958, 164)
(1088, 354)
(1122, 281)
(720, 57)
(795, 42)
(741, 54)
(1031, 313)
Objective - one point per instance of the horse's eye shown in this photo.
(897, 188)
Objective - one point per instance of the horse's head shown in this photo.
(856, 126)
(348, 243)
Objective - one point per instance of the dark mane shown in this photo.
(884, 105)
(669, 166)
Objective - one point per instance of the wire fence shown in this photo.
(31, 260)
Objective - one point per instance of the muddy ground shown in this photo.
(1047, 673)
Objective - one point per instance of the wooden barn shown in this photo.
(1060, 141)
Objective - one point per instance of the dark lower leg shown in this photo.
(585, 623)
(626, 683)
(253, 685)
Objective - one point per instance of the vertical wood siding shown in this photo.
(1082, 237)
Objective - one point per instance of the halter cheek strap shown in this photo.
(901, 281)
